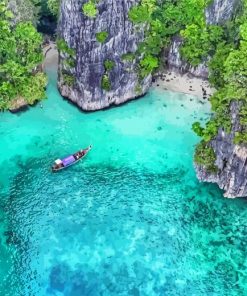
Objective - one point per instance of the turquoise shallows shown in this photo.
(131, 219)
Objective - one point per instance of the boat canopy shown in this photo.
(58, 161)
(68, 160)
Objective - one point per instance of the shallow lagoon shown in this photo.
(131, 219)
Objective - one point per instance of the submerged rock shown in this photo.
(88, 82)
(231, 159)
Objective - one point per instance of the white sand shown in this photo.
(51, 58)
(183, 83)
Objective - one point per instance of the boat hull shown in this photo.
(76, 161)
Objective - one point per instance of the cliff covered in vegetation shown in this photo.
(217, 13)
(97, 42)
(221, 155)
(225, 160)
(113, 58)
(21, 79)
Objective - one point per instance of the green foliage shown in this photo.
(200, 39)
(20, 56)
(33, 87)
(102, 36)
(53, 6)
(139, 14)
(228, 73)
(243, 115)
(69, 62)
(63, 46)
(105, 82)
(129, 57)
(148, 64)
(200, 42)
(219, 99)
(210, 130)
(89, 9)
(109, 65)
(216, 65)
(240, 138)
(68, 79)
(235, 72)
(164, 19)
(205, 156)
(196, 127)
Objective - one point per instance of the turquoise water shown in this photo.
(131, 219)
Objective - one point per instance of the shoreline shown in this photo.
(50, 62)
(183, 83)
(168, 80)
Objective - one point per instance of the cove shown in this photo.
(130, 219)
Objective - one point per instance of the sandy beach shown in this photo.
(51, 56)
(183, 83)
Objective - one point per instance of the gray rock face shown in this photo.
(177, 64)
(217, 12)
(231, 159)
(79, 32)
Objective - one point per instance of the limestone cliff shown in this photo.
(218, 12)
(231, 160)
(94, 86)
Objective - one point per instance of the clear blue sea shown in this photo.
(130, 219)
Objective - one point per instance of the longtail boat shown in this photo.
(61, 164)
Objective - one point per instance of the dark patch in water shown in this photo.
(71, 282)
(58, 277)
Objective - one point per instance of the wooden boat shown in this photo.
(61, 164)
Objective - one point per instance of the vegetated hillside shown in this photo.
(21, 78)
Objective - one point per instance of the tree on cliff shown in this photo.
(20, 56)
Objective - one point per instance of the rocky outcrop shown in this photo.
(218, 12)
(19, 104)
(177, 64)
(231, 159)
(79, 32)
